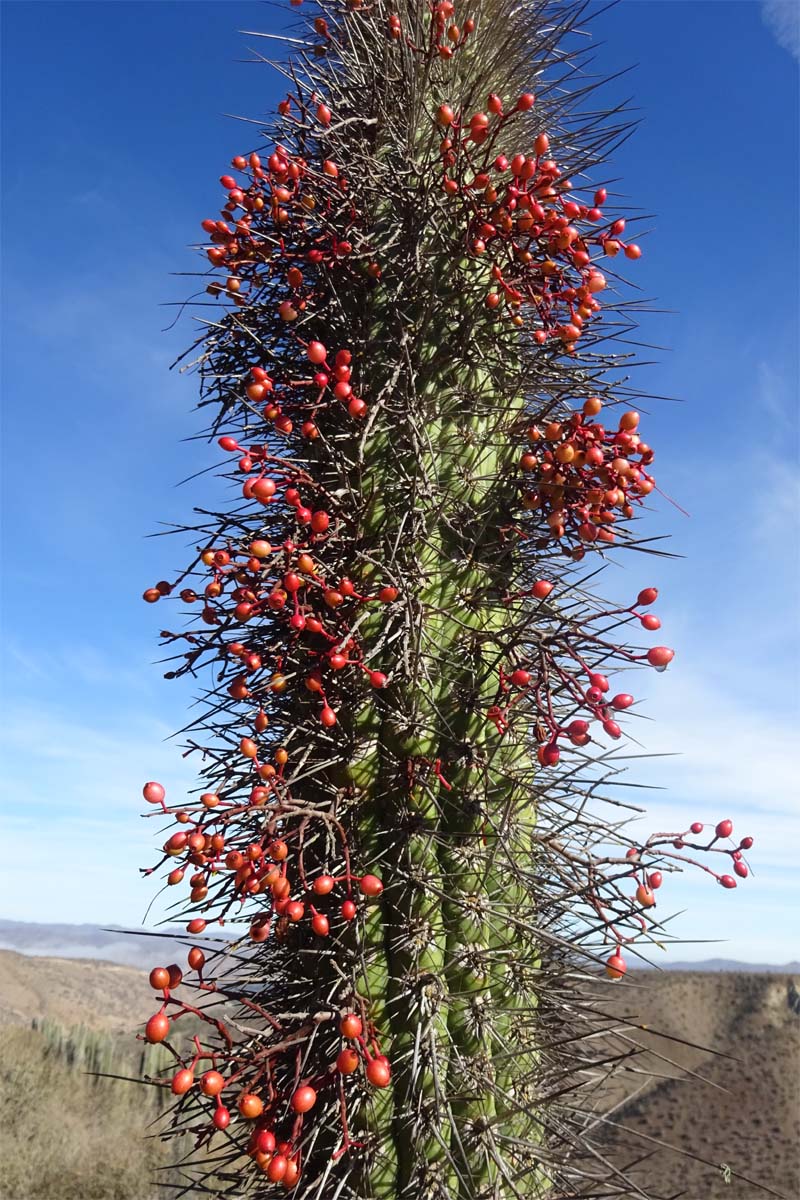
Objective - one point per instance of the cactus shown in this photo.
(99, 1055)
(410, 365)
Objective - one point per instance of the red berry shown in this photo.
(371, 885)
(541, 589)
(660, 656)
(153, 793)
(292, 1174)
(727, 881)
(379, 1073)
(616, 966)
(157, 1028)
(740, 869)
(277, 1168)
(348, 910)
(350, 1026)
(347, 1061)
(697, 827)
(724, 829)
(196, 959)
(265, 1141)
(264, 489)
(548, 755)
(211, 1083)
(647, 597)
(182, 1082)
(222, 1118)
(250, 1106)
(303, 1099)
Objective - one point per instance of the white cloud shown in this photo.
(728, 749)
(782, 18)
(775, 395)
(74, 870)
(99, 755)
(73, 836)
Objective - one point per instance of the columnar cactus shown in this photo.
(411, 372)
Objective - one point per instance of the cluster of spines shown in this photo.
(289, 607)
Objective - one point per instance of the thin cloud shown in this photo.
(728, 744)
(782, 18)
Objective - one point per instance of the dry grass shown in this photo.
(64, 1134)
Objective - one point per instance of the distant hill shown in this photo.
(61, 1022)
(730, 964)
(140, 948)
(136, 948)
(109, 997)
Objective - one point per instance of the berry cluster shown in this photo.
(562, 664)
(263, 1110)
(519, 212)
(649, 880)
(583, 477)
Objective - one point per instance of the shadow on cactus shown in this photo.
(413, 361)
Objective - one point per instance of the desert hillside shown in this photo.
(66, 1133)
(741, 1106)
(72, 991)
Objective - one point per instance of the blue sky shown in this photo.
(114, 136)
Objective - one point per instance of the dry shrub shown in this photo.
(66, 1134)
